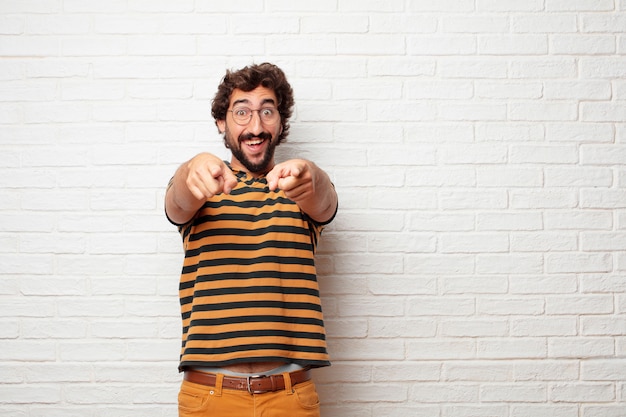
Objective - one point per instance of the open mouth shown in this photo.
(254, 143)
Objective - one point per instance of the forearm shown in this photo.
(321, 204)
(180, 204)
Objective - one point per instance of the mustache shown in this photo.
(262, 135)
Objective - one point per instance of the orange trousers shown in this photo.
(196, 400)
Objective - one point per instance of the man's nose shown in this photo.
(255, 126)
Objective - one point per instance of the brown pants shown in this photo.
(196, 400)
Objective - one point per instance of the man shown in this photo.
(251, 313)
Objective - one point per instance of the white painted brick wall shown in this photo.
(477, 265)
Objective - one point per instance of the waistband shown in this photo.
(258, 384)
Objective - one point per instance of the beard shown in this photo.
(260, 167)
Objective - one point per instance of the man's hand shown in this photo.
(294, 177)
(305, 183)
(195, 181)
(207, 175)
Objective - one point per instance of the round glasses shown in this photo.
(243, 115)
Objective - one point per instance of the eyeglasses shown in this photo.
(243, 115)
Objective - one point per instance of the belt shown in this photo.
(257, 384)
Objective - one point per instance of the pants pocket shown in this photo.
(191, 402)
(307, 396)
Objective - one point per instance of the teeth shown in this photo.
(254, 142)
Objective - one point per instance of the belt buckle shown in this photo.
(249, 381)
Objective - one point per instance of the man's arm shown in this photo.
(306, 184)
(198, 179)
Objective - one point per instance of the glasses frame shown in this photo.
(269, 123)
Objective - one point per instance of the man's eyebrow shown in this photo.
(246, 101)
(240, 101)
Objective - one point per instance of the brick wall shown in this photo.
(477, 267)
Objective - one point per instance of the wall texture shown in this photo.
(477, 267)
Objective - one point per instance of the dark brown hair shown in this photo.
(247, 79)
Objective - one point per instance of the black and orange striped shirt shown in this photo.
(248, 287)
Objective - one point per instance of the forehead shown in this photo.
(257, 97)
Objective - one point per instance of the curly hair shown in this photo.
(247, 79)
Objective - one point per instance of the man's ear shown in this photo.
(221, 125)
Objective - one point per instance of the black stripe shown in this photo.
(250, 218)
(255, 347)
(293, 230)
(301, 276)
(283, 260)
(269, 244)
(258, 304)
(227, 202)
(265, 289)
(257, 319)
(257, 333)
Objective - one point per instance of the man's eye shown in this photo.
(241, 112)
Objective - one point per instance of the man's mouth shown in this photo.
(255, 141)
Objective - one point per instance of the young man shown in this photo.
(251, 313)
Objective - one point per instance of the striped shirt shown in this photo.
(248, 287)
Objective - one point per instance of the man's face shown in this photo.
(251, 129)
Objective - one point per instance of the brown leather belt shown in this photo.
(253, 384)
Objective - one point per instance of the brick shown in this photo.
(474, 328)
(545, 111)
(509, 305)
(531, 410)
(589, 90)
(407, 372)
(602, 112)
(528, 393)
(476, 371)
(602, 23)
(579, 5)
(394, 328)
(474, 68)
(579, 262)
(582, 392)
(475, 23)
(508, 221)
(458, 6)
(339, 23)
(542, 68)
(543, 23)
(510, 44)
(509, 264)
(508, 90)
(545, 241)
(585, 220)
(543, 326)
(403, 286)
(580, 132)
(429, 45)
(444, 393)
(401, 23)
(509, 6)
(473, 243)
(512, 348)
(582, 177)
(583, 45)
(599, 326)
(34, 394)
(474, 284)
(550, 284)
(366, 350)
(441, 349)
(603, 370)
(546, 370)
